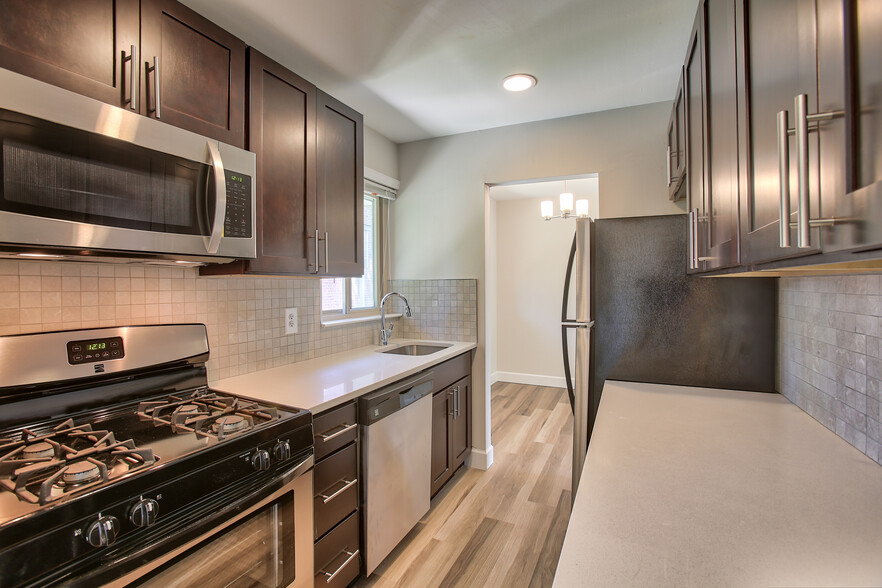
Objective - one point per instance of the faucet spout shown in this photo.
(384, 332)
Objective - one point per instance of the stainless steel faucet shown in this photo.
(384, 332)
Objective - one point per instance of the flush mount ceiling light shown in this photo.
(518, 82)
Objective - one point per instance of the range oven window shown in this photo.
(53, 171)
(257, 551)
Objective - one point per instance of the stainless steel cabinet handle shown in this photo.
(783, 180)
(693, 238)
(133, 76)
(326, 252)
(668, 165)
(157, 106)
(803, 235)
(316, 252)
(347, 484)
(456, 403)
(450, 403)
(352, 555)
(346, 428)
(220, 197)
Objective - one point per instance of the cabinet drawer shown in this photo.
(334, 429)
(338, 552)
(451, 370)
(327, 514)
(331, 471)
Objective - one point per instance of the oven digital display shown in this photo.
(95, 350)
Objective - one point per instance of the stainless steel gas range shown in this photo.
(118, 465)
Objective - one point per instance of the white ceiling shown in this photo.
(582, 187)
(426, 68)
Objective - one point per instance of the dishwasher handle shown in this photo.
(380, 404)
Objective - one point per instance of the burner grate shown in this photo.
(80, 458)
(206, 414)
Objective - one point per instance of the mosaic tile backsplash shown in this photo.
(830, 354)
(244, 315)
(444, 310)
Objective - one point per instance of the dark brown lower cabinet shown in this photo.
(337, 556)
(451, 430)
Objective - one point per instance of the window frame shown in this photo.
(347, 313)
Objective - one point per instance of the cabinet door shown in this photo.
(441, 403)
(721, 138)
(780, 63)
(281, 120)
(80, 46)
(194, 72)
(676, 163)
(863, 21)
(340, 187)
(460, 430)
(695, 95)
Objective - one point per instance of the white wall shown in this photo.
(380, 153)
(439, 218)
(531, 263)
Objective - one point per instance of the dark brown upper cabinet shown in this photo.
(194, 72)
(793, 94)
(857, 215)
(340, 186)
(676, 149)
(281, 123)
(156, 57)
(310, 186)
(82, 46)
(712, 138)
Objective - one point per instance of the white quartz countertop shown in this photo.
(325, 382)
(700, 487)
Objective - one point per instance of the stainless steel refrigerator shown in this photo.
(638, 317)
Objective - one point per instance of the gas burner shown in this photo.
(36, 451)
(206, 414)
(41, 468)
(79, 472)
(230, 424)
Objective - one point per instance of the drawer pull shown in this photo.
(346, 428)
(347, 484)
(352, 555)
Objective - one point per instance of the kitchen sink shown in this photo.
(415, 349)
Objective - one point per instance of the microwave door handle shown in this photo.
(212, 242)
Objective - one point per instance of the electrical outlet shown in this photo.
(290, 321)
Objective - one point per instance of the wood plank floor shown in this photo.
(504, 526)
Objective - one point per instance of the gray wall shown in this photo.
(830, 354)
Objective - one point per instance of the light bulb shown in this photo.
(566, 203)
(582, 208)
(547, 208)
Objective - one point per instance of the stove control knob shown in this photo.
(282, 450)
(260, 460)
(144, 512)
(103, 531)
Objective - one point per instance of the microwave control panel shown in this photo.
(238, 221)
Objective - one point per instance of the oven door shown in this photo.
(270, 545)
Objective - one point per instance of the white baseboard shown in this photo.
(528, 379)
(480, 459)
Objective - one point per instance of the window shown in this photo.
(351, 297)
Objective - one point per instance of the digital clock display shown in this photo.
(95, 350)
(236, 178)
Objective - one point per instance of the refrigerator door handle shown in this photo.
(565, 347)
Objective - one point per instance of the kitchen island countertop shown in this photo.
(700, 487)
(325, 382)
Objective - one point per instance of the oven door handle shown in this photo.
(212, 242)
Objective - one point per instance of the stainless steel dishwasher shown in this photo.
(396, 432)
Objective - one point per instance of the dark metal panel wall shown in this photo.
(653, 323)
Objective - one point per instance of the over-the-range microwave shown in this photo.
(82, 178)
